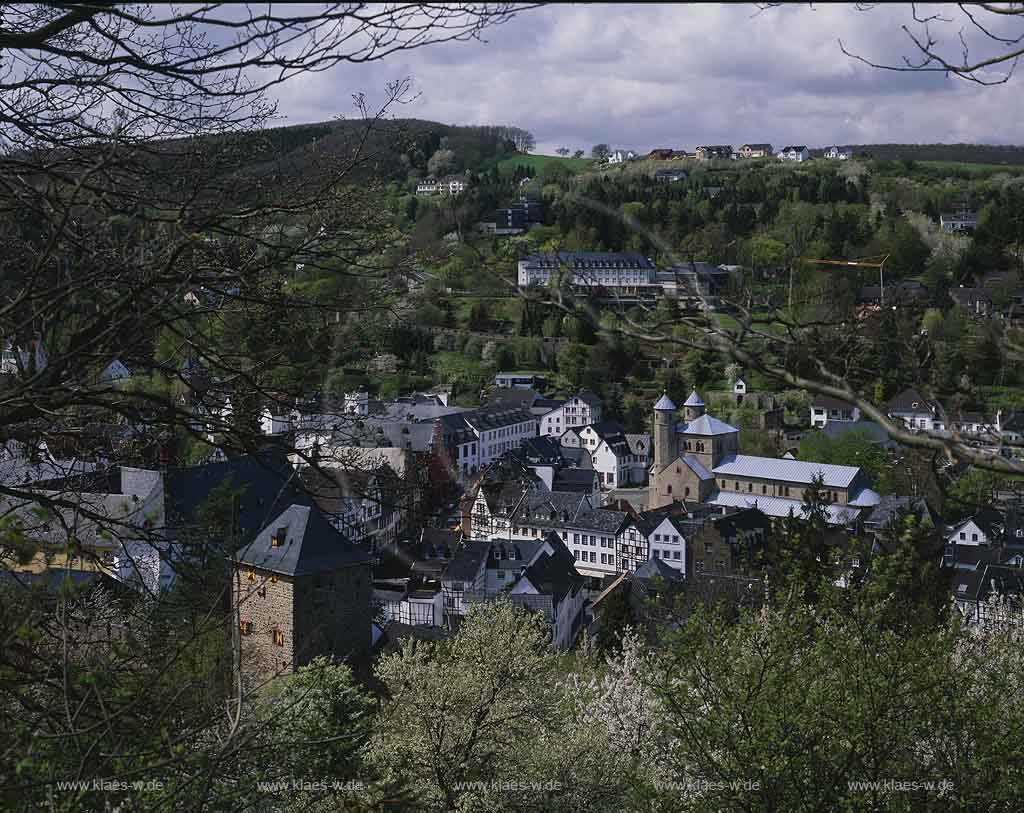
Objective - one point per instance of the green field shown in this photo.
(974, 169)
(538, 162)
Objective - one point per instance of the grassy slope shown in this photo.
(537, 162)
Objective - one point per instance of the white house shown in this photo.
(357, 403)
(582, 409)
(611, 453)
(621, 156)
(739, 390)
(983, 528)
(916, 411)
(825, 409)
(428, 186)
(839, 153)
(795, 153)
(652, 535)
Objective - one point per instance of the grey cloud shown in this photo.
(642, 76)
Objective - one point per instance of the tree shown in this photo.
(463, 711)
(441, 163)
(563, 151)
(140, 169)
(600, 151)
(578, 154)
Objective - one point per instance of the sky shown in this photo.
(680, 75)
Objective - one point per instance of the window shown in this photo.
(675, 538)
(963, 535)
(657, 537)
(657, 553)
(251, 574)
(278, 638)
(604, 559)
(669, 489)
(764, 489)
(699, 566)
(974, 537)
(676, 554)
(245, 627)
(687, 492)
(750, 487)
(855, 562)
(707, 547)
(593, 557)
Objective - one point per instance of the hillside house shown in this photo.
(916, 411)
(836, 153)
(825, 409)
(714, 152)
(798, 153)
(756, 151)
(580, 410)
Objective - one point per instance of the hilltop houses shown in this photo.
(797, 153)
(756, 151)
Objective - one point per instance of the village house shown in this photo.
(536, 574)
(471, 440)
(618, 461)
(582, 409)
(756, 151)
(797, 153)
(839, 153)
(962, 221)
(825, 409)
(714, 152)
(622, 156)
(916, 411)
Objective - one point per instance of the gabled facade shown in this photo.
(580, 410)
(714, 152)
(797, 153)
(839, 153)
(916, 411)
(756, 151)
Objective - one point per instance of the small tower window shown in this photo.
(278, 638)
(278, 537)
(273, 578)
(245, 627)
(251, 575)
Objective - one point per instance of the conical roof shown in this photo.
(665, 403)
(694, 400)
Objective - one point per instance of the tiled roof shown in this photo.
(792, 471)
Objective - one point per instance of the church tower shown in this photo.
(693, 408)
(664, 432)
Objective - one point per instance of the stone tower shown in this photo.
(693, 408)
(664, 432)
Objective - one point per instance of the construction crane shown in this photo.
(865, 263)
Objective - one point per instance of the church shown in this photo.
(697, 459)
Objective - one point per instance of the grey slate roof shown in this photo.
(555, 574)
(890, 507)
(706, 425)
(698, 468)
(794, 471)
(466, 562)
(665, 404)
(309, 545)
(905, 401)
(654, 568)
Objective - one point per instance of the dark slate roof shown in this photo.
(588, 397)
(654, 568)
(828, 402)
(558, 510)
(466, 562)
(555, 573)
(513, 398)
(969, 557)
(980, 584)
(904, 402)
(539, 450)
(494, 417)
(590, 259)
(310, 545)
(647, 521)
(989, 520)
(890, 507)
(266, 482)
(608, 430)
(574, 481)
(747, 519)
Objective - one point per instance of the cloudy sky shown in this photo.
(644, 76)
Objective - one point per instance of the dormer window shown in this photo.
(278, 537)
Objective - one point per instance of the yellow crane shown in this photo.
(868, 262)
